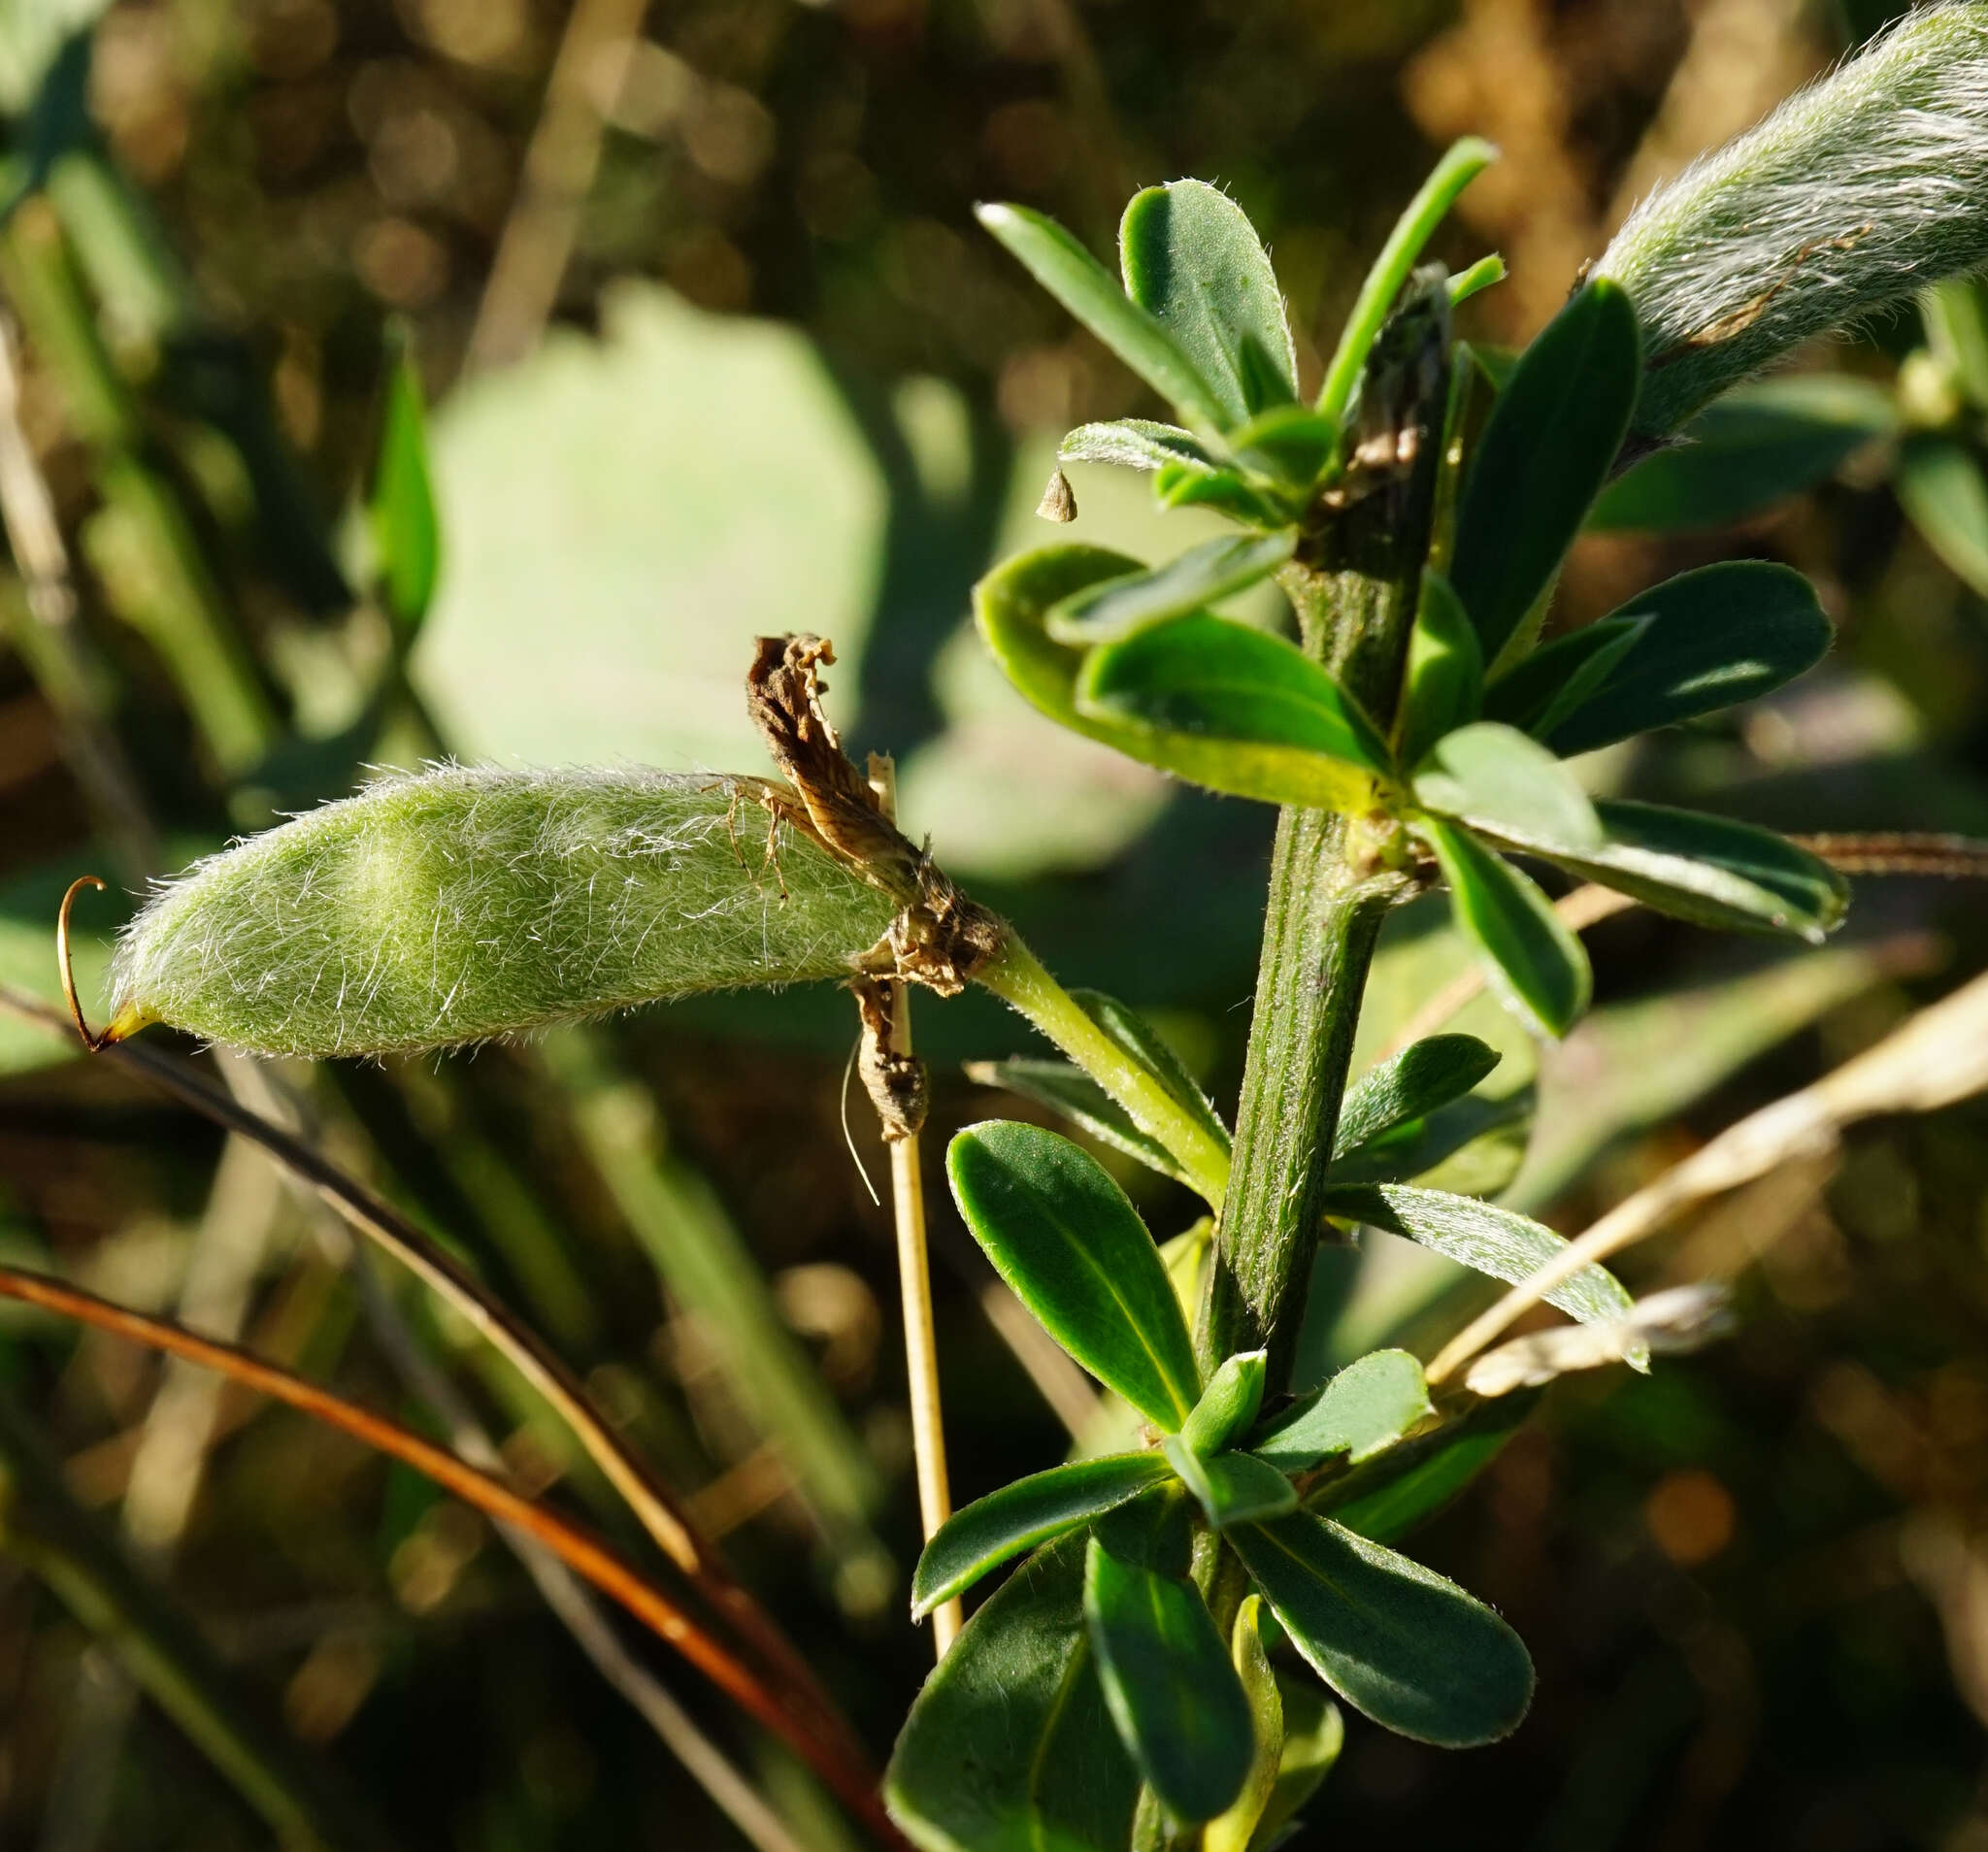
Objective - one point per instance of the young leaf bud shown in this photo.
(1854, 194)
(463, 904)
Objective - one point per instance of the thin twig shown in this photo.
(1937, 1057)
(582, 1551)
(654, 1504)
(915, 1280)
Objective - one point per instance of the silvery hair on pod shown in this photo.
(463, 904)
(1859, 190)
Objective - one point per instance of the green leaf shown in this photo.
(1399, 1643)
(1134, 1036)
(1406, 1485)
(1443, 687)
(1066, 1089)
(1155, 1530)
(1228, 1406)
(1204, 574)
(1175, 1697)
(1419, 1147)
(1288, 444)
(1704, 869)
(1495, 778)
(1011, 606)
(1543, 457)
(1613, 638)
(1314, 1733)
(1194, 262)
(1482, 1236)
(1716, 637)
(1009, 1743)
(1061, 1233)
(1478, 278)
(1091, 293)
(1019, 1516)
(1232, 1488)
(1939, 484)
(1363, 1411)
(1287, 730)
(1221, 491)
(1749, 450)
(406, 529)
(1136, 443)
(1534, 962)
(1425, 1075)
(1461, 162)
(1232, 1831)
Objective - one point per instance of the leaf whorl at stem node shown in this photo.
(939, 938)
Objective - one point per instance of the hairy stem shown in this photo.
(1354, 588)
(1017, 977)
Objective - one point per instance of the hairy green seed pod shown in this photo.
(1854, 194)
(461, 905)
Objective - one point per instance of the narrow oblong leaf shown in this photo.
(1494, 777)
(1011, 607)
(1405, 1486)
(1010, 1743)
(1496, 1127)
(1939, 484)
(1194, 262)
(1491, 1241)
(1202, 575)
(1155, 1530)
(1092, 294)
(1364, 1409)
(1314, 1733)
(1065, 1089)
(1402, 1644)
(1018, 1517)
(1426, 1074)
(1707, 870)
(1288, 444)
(1063, 1235)
(1232, 1831)
(1171, 1690)
(1232, 1488)
(1711, 638)
(1288, 728)
(1542, 459)
(1228, 1406)
(1225, 491)
(1742, 453)
(464, 903)
(1532, 961)
(406, 529)
(1443, 687)
(1134, 443)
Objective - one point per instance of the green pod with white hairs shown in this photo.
(461, 905)
(1851, 196)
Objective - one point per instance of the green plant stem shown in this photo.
(1017, 977)
(1354, 589)
(1465, 161)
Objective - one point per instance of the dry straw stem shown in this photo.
(1852, 195)
(580, 1551)
(1939, 1057)
(656, 1508)
(464, 903)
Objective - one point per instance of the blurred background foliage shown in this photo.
(715, 350)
